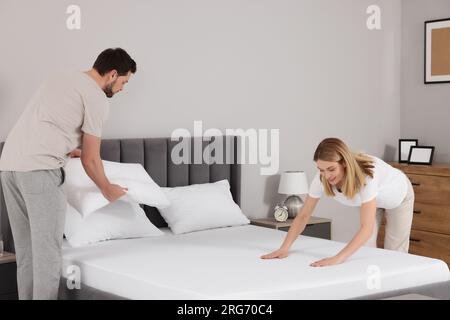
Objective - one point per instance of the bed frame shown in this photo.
(155, 155)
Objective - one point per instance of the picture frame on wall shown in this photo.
(404, 146)
(421, 155)
(437, 44)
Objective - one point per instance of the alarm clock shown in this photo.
(281, 213)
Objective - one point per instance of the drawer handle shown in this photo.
(414, 240)
(415, 184)
(417, 211)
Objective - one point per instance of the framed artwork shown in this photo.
(421, 155)
(404, 146)
(437, 51)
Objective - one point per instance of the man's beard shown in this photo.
(109, 89)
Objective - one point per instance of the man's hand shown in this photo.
(92, 163)
(113, 192)
(75, 153)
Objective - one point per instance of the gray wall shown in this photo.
(425, 109)
(310, 68)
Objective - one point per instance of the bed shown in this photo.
(224, 263)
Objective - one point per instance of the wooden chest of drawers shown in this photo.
(430, 234)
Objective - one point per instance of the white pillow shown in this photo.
(86, 197)
(201, 206)
(117, 220)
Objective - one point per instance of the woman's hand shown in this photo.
(327, 262)
(367, 218)
(278, 254)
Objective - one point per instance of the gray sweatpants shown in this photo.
(36, 206)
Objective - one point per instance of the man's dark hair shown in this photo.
(114, 59)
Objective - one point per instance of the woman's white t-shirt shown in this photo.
(388, 186)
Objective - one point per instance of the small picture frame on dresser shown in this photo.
(404, 146)
(421, 155)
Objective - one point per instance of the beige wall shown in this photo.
(310, 68)
(425, 109)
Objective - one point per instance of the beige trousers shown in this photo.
(398, 224)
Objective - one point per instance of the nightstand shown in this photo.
(8, 278)
(316, 227)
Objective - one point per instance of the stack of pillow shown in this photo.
(92, 218)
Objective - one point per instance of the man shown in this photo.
(67, 112)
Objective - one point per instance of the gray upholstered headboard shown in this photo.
(155, 155)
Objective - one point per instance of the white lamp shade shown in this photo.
(293, 182)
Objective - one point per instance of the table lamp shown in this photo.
(293, 183)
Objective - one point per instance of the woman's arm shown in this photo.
(367, 221)
(296, 228)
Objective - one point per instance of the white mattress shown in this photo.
(225, 263)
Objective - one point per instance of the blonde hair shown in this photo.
(357, 166)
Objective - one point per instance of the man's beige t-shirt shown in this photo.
(53, 123)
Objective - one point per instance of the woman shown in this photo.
(357, 180)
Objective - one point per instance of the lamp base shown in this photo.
(293, 203)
